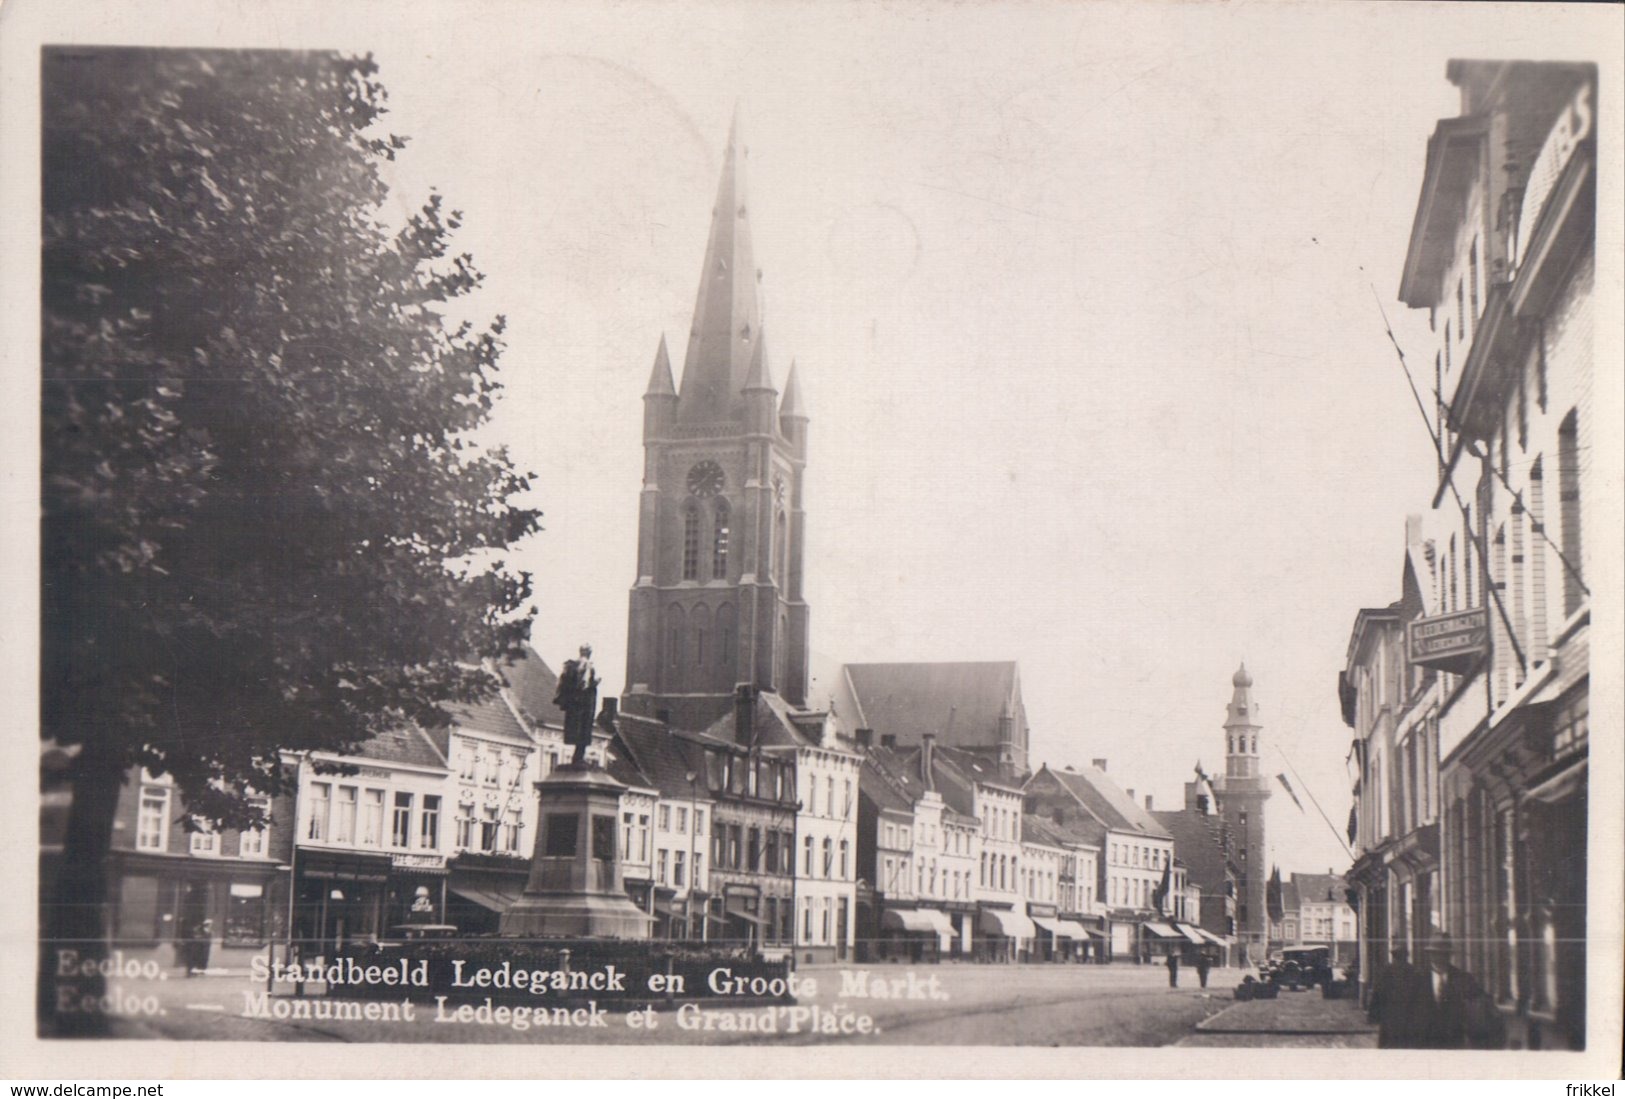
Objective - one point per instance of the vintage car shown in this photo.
(1304, 967)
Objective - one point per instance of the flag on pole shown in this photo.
(1159, 895)
(1207, 784)
(1293, 794)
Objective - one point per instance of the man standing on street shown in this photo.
(1204, 962)
(1173, 969)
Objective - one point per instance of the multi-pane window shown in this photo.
(679, 866)
(206, 842)
(660, 866)
(372, 818)
(719, 542)
(400, 824)
(465, 832)
(488, 828)
(1568, 502)
(807, 851)
(682, 820)
(344, 826)
(664, 814)
(320, 792)
(753, 850)
(429, 823)
(152, 825)
(691, 543)
(251, 842)
(510, 832)
(829, 856)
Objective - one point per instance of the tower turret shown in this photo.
(1241, 728)
(660, 398)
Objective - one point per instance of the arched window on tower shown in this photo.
(719, 540)
(674, 643)
(691, 541)
(699, 624)
(725, 636)
(781, 545)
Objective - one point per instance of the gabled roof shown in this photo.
(659, 756)
(491, 718)
(1036, 829)
(1199, 843)
(1318, 889)
(409, 745)
(1109, 804)
(881, 787)
(531, 685)
(959, 702)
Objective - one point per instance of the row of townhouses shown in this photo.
(786, 830)
(1468, 693)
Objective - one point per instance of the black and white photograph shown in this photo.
(993, 536)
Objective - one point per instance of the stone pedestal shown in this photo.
(575, 888)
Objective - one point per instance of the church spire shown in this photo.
(727, 311)
(660, 383)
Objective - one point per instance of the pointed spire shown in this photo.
(791, 407)
(727, 310)
(660, 383)
(759, 378)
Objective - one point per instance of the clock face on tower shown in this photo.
(705, 479)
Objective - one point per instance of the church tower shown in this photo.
(1242, 792)
(718, 598)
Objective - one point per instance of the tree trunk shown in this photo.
(75, 924)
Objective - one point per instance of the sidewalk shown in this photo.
(1291, 1019)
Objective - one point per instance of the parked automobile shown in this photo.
(1305, 967)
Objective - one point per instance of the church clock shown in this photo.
(705, 479)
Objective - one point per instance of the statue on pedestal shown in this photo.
(577, 696)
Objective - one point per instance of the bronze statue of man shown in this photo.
(578, 697)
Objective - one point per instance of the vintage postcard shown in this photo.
(690, 534)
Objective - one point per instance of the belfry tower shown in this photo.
(718, 597)
(1242, 792)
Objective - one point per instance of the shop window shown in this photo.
(245, 914)
(138, 915)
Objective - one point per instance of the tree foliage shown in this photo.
(267, 525)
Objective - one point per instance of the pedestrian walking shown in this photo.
(1439, 1007)
(1173, 969)
(1204, 962)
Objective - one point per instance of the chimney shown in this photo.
(888, 740)
(928, 755)
(1098, 764)
(866, 737)
(1130, 792)
(1201, 804)
(1056, 815)
(1148, 803)
(744, 713)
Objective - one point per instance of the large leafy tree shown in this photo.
(267, 522)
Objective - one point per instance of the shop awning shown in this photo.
(1061, 929)
(1011, 925)
(735, 912)
(939, 920)
(1209, 936)
(490, 897)
(907, 919)
(1161, 930)
(1562, 786)
(1191, 934)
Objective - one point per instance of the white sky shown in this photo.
(1082, 301)
(1080, 294)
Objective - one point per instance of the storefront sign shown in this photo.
(1573, 126)
(419, 862)
(1449, 642)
